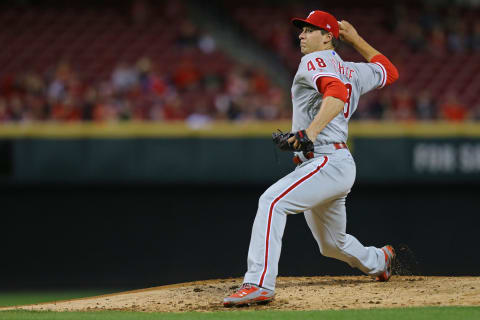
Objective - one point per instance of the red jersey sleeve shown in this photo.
(390, 69)
(332, 87)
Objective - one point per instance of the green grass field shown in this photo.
(436, 313)
(19, 298)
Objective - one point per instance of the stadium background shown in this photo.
(134, 138)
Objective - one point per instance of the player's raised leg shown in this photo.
(328, 225)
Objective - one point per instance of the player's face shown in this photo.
(312, 40)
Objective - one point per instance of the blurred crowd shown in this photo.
(399, 103)
(141, 90)
(444, 34)
(198, 83)
(437, 30)
(428, 43)
(137, 92)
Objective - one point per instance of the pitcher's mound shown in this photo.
(295, 293)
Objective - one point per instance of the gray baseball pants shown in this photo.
(317, 187)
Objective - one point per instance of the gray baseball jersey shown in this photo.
(319, 186)
(359, 78)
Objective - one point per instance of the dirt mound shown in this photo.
(296, 293)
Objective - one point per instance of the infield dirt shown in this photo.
(292, 293)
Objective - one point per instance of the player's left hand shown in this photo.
(297, 142)
(300, 141)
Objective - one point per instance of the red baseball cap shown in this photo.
(320, 19)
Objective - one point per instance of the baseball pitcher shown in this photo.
(325, 94)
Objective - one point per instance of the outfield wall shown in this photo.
(226, 153)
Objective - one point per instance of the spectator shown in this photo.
(16, 109)
(89, 102)
(201, 116)
(403, 104)
(124, 77)
(173, 109)
(223, 104)
(438, 41)
(237, 84)
(457, 38)
(188, 37)
(475, 112)
(57, 89)
(452, 109)
(381, 106)
(186, 75)
(4, 117)
(207, 44)
(425, 106)
(37, 106)
(415, 37)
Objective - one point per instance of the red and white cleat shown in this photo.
(389, 258)
(249, 294)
